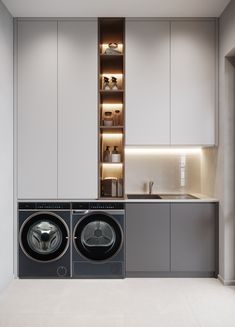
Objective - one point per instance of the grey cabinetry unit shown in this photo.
(171, 239)
(193, 82)
(171, 82)
(77, 109)
(193, 237)
(37, 109)
(57, 109)
(147, 238)
(147, 82)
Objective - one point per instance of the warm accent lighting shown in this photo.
(114, 74)
(112, 135)
(115, 106)
(160, 151)
(112, 165)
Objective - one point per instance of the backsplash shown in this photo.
(169, 172)
(209, 172)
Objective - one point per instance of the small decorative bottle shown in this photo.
(114, 85)
(108, 118)
(112, 49)
(106, 86)
(117, 120)
(107, 154)
(116, 156)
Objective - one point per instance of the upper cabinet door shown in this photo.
(37, 109)
(147, 83)
(77, 109)
(193, 82)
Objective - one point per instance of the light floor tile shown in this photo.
(118, 303)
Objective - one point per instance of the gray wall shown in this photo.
(6, 147)
(225, 177)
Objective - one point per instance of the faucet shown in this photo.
(151, 187)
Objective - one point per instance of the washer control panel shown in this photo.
(98, 206)
(44, 206)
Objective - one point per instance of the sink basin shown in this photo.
(178, 196)
(143, 196)
(161, 196)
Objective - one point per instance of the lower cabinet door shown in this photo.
(193, 237)
(147, 237)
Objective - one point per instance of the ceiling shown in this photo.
(118, 8)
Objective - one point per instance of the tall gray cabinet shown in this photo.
(37, 109)
(57, 109)
(77, 109)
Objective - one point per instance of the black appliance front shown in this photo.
(44, 241)
(98, 242)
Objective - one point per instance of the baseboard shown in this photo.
(226, 282)
(167, 274)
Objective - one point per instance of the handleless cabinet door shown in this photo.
(77, 109)
(193, 82)
(147, 82)
(147, 237)
(37, 109)
(193, 237)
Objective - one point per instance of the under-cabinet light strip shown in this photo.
(166, 151)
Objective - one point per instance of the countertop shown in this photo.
(200, 198)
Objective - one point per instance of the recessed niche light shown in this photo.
(114, 74)
(112, 165)
(112, 105)
(112, 135)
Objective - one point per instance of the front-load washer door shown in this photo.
(98, 236)
(44, 237)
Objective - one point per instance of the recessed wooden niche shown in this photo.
(111, 107)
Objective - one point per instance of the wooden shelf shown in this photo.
(112, 129)
(103, 55)
(111, 91)
(111, 163)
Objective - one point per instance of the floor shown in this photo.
(118, 303)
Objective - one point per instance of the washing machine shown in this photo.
(44, 240)
(98, 246)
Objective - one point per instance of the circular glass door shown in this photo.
(44, 237)
(98, 236)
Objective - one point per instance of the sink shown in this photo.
(161, 196)
(143, 196)
(178, 196)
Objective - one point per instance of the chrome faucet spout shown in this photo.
(151, 187)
